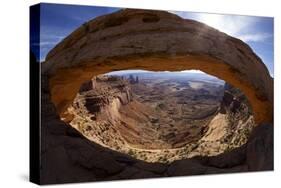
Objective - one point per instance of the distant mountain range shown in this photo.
(189, 75)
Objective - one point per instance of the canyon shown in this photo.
(162, 118)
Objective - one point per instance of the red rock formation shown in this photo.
(155, 40)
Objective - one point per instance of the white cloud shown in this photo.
(234, 25)
(229, 24)
(126, 72)
(192, 71)
(258, 37)
(50, 38)
(42, 44)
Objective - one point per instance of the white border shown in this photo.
(14, 126)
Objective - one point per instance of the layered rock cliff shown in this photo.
(231, 127)
(95, 110)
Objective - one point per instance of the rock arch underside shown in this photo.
(156, 41)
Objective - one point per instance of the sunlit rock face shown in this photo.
(162, 116)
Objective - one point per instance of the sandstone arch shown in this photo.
(155, 40)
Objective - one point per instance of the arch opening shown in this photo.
(65, 83)
(162, 116)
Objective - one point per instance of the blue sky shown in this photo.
(258, 32)
(57, 21)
